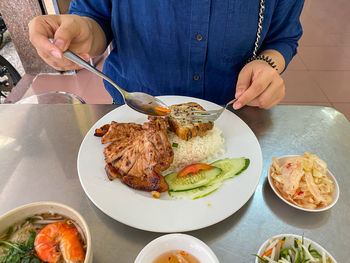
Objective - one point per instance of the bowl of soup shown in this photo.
(48, 231)
(175, 248)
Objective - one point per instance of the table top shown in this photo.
(38, 158)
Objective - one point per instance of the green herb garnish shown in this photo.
(284, 253)
(19, 252)
(263, 260)
(175, 144)
(295, 243)
(30, 219)
(9, 231)
(315, 253)
(31, 239)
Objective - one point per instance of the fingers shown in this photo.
(40, 31)
(272, 95)
(244, 80)
(58, 64)
(65, 33)
(62, 30)
(261, 79)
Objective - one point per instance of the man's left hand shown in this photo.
(259, 85)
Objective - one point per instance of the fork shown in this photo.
(209, 115)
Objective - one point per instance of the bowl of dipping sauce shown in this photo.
(173, 248)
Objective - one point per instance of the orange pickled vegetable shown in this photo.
(161, 110)
(268, 253)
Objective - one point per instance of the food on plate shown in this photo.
(43, 238)
(194, 169)
(230, 168)
(155, 194)
(161, 111)
(137, 154)
(192, 180)
(176, 256)
(117, 132)
(199, 180)
(182, 124)
(303, 181)
(203, 149)
(281, 250)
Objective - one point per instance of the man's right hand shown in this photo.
(68, 32)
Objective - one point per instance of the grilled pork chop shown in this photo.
(120, 131)
(137, 154)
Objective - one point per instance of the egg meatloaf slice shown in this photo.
(182, 124)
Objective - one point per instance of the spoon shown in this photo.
(139, 101)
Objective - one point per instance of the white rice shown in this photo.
(202, 149)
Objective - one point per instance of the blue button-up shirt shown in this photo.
(188, 47)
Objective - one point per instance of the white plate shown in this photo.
(335, 194)
(139, 209)
(163, 244)
(290, 243)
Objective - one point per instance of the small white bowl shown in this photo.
(166, 243)
(290, 242)
(335, 194)
(21, 213)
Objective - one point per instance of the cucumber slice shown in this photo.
(230, 168)
(195, 193)
(191, 181)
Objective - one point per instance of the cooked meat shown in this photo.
(112, 172)
(102, 131)
(182, 125)
(151, 181)
(138, 154)
(116, 149)
(119, 131)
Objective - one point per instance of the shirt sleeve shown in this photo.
(285, 29)
(100, 11)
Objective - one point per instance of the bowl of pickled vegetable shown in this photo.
(290, 248)
(304, 182)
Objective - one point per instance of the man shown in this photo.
(195, 48)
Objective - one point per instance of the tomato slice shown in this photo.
(194, 169)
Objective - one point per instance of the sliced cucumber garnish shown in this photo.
(191, 181)
(230, 168)
(195, 193)
(206, 181)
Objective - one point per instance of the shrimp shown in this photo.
(58, 240)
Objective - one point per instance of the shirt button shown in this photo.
(195, 77)
(199, 37)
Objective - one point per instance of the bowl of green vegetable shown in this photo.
(290, 248)
(44, 232)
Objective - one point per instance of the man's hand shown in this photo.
(259, 85)
(72, 32)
